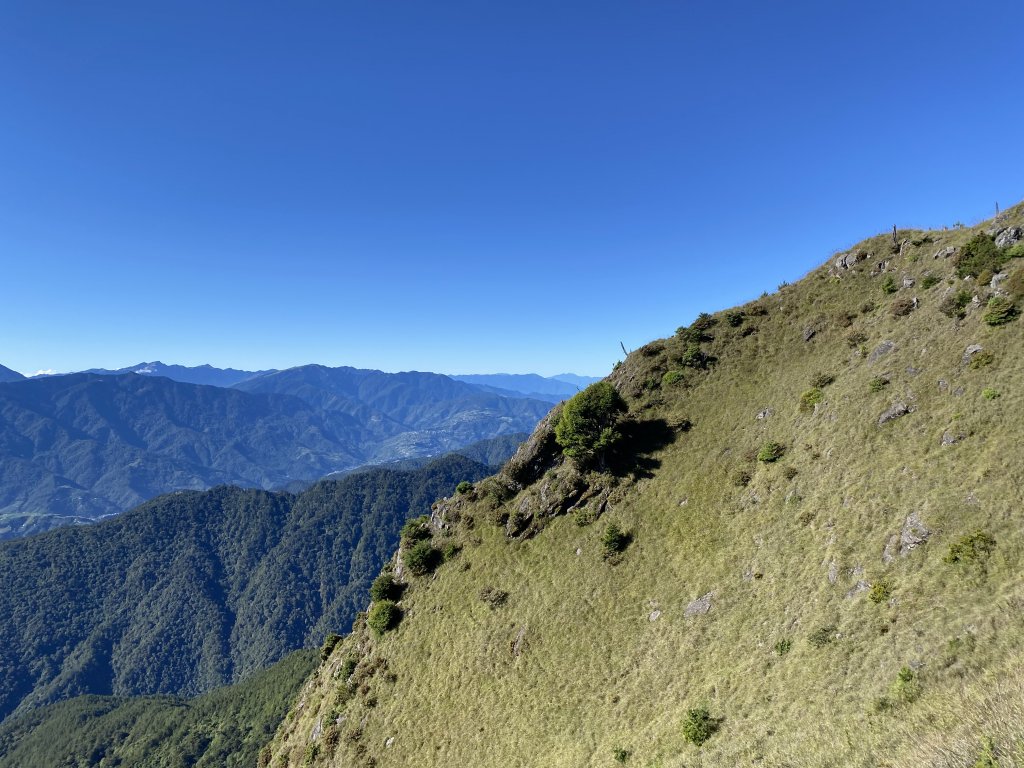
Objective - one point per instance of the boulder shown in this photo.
(952, 438)
(699, 606)
(1009, 236)
(895, 411)
(945, 253)
(883, 349)
(970, 352)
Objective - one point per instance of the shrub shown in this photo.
(330, 642)
(417, 529)
(878, 383)
(621, 755)
(1015, 251)
(672, 377)
(694, 357)
(789, 473)
(699, 726)
(421, 558)
(495, 598)
(734, 319)
(770, 452)
(880, 592)
(811, 398)
(783, 646)
(979, 255)
(999, 311)
(990, 394)
(587, 427)
(1015, 284)
(384, 587)
(902, 306)
(889, 285)
(955, 304)
(970, 548)
(741, 478)
(929, 281)
(907, 688)
(822, 636)
(855, 338)
(614, 541)
(451, 551)
(464, 487)
(703, 322)
(820, 380)
(384, 615)
(867, 307)
(981, 360)
(584, 516)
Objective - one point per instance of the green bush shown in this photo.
(821, 380)
(586, 429)
(621, 755)
(981, 360)
(999, 311)
(1015, 284)
(614, 541)
(384, 615)
(970, 548)
(330, 642)
(889, 285)
(735, 319)
(495, 598)
(979, 255)
(880, 592)
(417, 529)
(907, 687)
(822, 636)
(421, 558)
(955, 304)
(694, 357)
(699, 726)
(741, 478)
(929, 281)
(464, 487)
(770, 452)
(811, 398)
(384, 587)
(672, 377)
(878, 383)
(783, 646)
(790, 472)
(990, 394)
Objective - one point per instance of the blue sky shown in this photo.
(467, 186)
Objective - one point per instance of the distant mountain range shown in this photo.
(200, 374)
(6, 374)
(81, 446)
(551, 388)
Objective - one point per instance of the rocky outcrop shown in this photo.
(895, 411)
(1009, 236)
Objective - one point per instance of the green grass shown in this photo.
(584, 659)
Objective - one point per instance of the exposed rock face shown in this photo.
(945, 253)
(883, 349)
(913, 534)
(850, 260)
(699, 606)
(536, 455)
(764, 414)
(951, 438)
(894, 412)
(970, 352)
(909, 282)
(1009, 236)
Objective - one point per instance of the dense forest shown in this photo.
(197, 589)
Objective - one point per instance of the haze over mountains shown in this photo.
(80, 446)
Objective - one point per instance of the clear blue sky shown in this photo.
(468, 186)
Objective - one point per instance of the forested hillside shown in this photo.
(197, 589)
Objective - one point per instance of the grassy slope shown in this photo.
(596, 674)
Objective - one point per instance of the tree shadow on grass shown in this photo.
(639, 439)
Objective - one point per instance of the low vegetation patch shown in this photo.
(421, 558)
(699, 726)
(955, 304)
(822, 636)
(494, 598)
(384, 587)
(889, 285)
(783, 646)
(770, 452)
(614, 542)
(979, 255)
(999, 311)
(880, 592)
(330, 642)
(878, 383)
(384, 615)
(970, 548)
(811, 398)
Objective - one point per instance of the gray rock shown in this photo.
(945, 253)
(389, 741)
(996, 283)
(654, 615)
(520, 644)
(762, 415)
(913, 534)
(970, 352)
(1009, 236)
(943, 385)
(958, 392)
(912, 371)
(857, 588)
(894, 412)
(699, 606)
(833, 572)
(809, 332)
(892, 548)
(318, 728)
(850, 260)
(883, 349)
(952, 438)
(909, 282)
